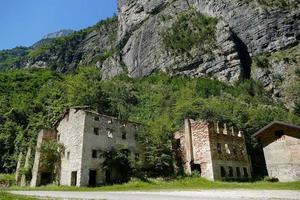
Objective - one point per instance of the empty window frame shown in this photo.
(246, 175)
(94, 153)
(238, 172)
(97, 118)
(223, 171)
(230, 171)
(227, 149)
(68, 155)
(124, 135)
(177, 144)
(96, 131)
(219, 148)
(242, 150)
(234, 150)
(110, 133)
(279, 133)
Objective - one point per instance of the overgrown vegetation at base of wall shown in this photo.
(6, 180)
(32, 99)
(190, 30)
(178, 183)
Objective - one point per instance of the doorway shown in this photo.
(46, 178)
(74, 178)
(93, 178)
(108, 178)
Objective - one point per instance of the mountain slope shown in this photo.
(197, 38)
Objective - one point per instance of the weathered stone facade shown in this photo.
(213, 149)
(84, 134)
(39, 175)
(281, 145)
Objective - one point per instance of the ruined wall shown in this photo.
(109, 134)
(229, 151)
(202, 148)
(212, 147)
(70, 134)
(283, 158)
(44, 135)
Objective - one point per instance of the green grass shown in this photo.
(7, 179)
(178, 184)
(6, 196)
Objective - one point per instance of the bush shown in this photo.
(190, 30)
(270, 179)
(261, 61)
(7, 180)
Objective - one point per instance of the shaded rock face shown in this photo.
(244, 29)
(278, 75)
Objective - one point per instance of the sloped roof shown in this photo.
(276, 123)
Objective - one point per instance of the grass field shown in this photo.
(6, 196)
(187, 183)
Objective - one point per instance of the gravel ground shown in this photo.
(168, 195)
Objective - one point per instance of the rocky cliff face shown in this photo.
(134, 43)
(245, 29)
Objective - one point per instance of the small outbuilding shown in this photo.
(281, 146)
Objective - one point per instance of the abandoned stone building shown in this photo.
(214, 150)
(84, 134)
(281, 146)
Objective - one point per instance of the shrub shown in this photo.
(7, 180)
(261, 61)
(117, 161)
(190, 30)
(270, 179)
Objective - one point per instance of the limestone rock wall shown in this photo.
(245, 29)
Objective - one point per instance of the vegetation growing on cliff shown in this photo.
(190, 30)
(286, 62)
(64, 49)
(32, 99)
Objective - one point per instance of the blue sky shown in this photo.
(23, 22)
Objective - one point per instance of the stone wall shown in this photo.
(207, 147)
(44, 135)
(202, 148)
(82, 132)
(283, 158)
(70, 134)
(228, 149)
(111, 133)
